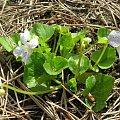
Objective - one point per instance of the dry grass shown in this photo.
(14, 17)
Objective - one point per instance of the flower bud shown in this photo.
(83, 45)
(86, 40)
(2, 92)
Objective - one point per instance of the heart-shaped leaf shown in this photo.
(43, 31)
(66, 44)
(73, 63)
(107, 59)
(55, 65)
(33, 70)
(10, 42)
(43, 83)
(67, 41)
(103, 35)
(100, 88)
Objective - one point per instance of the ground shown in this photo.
(15, 16)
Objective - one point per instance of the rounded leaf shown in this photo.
(54, 66)
(33, 70)
(102, 90)
(73, 63)
(43, 31)
(107, 59)
(103, 35)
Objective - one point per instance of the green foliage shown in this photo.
(43, 83)
(82, 78)
(43, 31)
(65, 58)
(102, 90)
(100, 87)
(63, 29)
(90, 83)
(103, 35)
(73, 63)
(66, 44)
(75, 37)
(82, 34)
(107, 59)
(33, 70)
(10, 42)
(55, 65)
(72, 84)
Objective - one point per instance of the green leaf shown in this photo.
(67, 41)
(103, 35)
(82, 78)
(55, 65)
(108, 58)
(66, 44)
(43, 31)
(63, 29)
(49, 56)
(10, 42)
(44, 47)
(82, 34)
(102, 90)
(33, 70)
(88, 103)
(15, 37)
(72, 84)
(84, 64)
(75, 37)
(90, 82)
(73, 63)
(43, 83)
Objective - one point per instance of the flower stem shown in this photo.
(103, 51)
(80, 57)
(91, 46)
(54, 44)
(58, 43)
(32, 93)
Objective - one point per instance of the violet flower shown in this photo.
(114, 40)
(25, 49)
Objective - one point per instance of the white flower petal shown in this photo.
(33, 42)
(24, 36)
(18, 51)
(114, 38)
(26, 57)
(118, 50)
(26, 54)
(25, 50)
